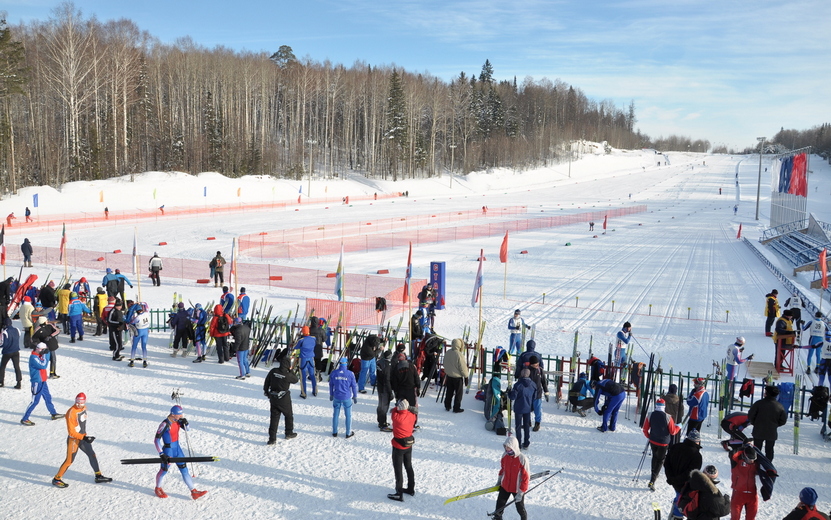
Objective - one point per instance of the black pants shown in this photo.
(280, 406)
(659, 453)
(53, 361)
(15, 359)
(383, 407)
(503, 498)
(403, 458)
(583, 404)
(222, 352)
(454, 390)
(154, 275)
(116, 341)
(769, 322)
(180, 336)
(694, 425)
(218, 276)
(768, 447)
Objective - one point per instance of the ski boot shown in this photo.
(160, 493)
(173, 354)
(536, 427)
(396, 496)
(144, 364)
(101, 479)
(27, 422)
(132, 363)
(56, 416)
(194, 494)
(651, 486)
(59, 483)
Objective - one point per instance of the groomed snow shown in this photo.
(681, 257)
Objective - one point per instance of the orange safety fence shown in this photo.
(113, 218)
(401, 238)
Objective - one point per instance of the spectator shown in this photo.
(659, 428)
(771, 310)
(343, 392)
(404, 418)
(10, 347)
(522, 394)
(217, 266)
(767, 415)
(26, 249)
(807, 507)
(155, 266)
(276, 387)
(699, 402)
(681, 459)
(455, 376)
(743, 476)
(580, 395)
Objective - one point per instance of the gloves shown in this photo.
(546, 397)
(183, 422)
(354, 400)
(519, 496)
(265, 394)
(466, 381)
(750, 357)
(165, 458)
(88, 439)
(331, 397)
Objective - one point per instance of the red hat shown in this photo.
(81, 398)
(27, 299)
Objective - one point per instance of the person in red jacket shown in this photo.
(514, 476)
(743, 467)
(807, 507)
(403, 421)
(659, 428)
(220, 330)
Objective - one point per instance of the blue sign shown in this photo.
(35, 200)
(437, 282)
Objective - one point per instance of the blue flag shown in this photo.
(35, 200)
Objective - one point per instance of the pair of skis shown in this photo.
(493, 489)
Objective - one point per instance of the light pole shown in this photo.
(759, 182)
(452, 157)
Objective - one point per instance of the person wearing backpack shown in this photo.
(416, 330)
(659, 428)
(217, 266)
(220, 329)
(701, 498)
(807, 507)
(681, 459)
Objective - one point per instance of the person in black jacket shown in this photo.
(681, 459)
(47, 333)
(26, 249)
(48, 299)
(404, 380)
(180, 322)
(382, 385)
(712, 504)
(241, 334)
(115, 325)
(767, 415)
(276, 388)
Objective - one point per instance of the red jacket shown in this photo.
(402, 426)
(742, 474)
(514, 474)
(219, 314)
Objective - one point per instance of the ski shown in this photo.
(492, 489)
(499, 511)
(656, 508)
(797, 411)
(11, 309)
(175, 460)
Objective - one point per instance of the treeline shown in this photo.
(83, 99)
(818, 137)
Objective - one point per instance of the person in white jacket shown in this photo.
(155, 267)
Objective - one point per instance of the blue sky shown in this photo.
(724, 71)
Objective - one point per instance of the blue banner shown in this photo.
(35, 200)
(437, 282)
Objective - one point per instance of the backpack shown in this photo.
(222, 325)
(747, 388)
(688, 503)
(819, 401)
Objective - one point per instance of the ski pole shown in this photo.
(639, 344)
(640, 464)
(501, 509)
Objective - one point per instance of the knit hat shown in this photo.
(694, 435)
(41, 320)
(582, 375)
(176, 410)
(711, 471)
(109, 271)
(304, 330)
(698, 381)
(774, 292)
(218, 253)
(181, 305)
(81, 398)
(100, 290)
(525, 373)
(808, 496)
(242, 290)
(403, 405)
(40, 346)
(817, 315)
(749, 453)
(27, 299)
(672, 389)
(660, 404)
(237, 320)
(534, 360)
(771, 391)
(516, 312)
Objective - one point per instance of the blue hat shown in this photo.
(343, 361)
(109, 271)
(808, 496)
(176, 410)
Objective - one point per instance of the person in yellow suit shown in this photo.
(63, 307)
(76, 426)
(101, 301)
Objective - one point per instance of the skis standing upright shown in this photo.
(797, 411)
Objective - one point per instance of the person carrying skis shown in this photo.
(198, 319)
(76, 426)
(10, 346)
(580, 395)
(241, 334)
(514, 477)
(522, 394)
(455, 376)
(220, 329)
(698, 402)
(38, 361)
(227, 300)
(624, 336)
(702, 499)
(614, 394)
(343, 392)
(771, 310)
(306, 348)
(681, 459)
(48, 334)
(141, 325)
(516, 326)
(819, 330)
(276, 387)
(767, 415)
(155, 264)
(807, 507)
(743, 468)
(180, 322)
(167, 444)
(659, 428)
(217, 266)
(115, 325)
(404, 418)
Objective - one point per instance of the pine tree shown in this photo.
(284, 57)
(396, 131)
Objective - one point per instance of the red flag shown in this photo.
(406, 296)
(739, 234)
(823, 269)
(604, 222)
(63, 244)
(503, 250)
(3, 245)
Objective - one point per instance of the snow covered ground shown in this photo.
(673, 272)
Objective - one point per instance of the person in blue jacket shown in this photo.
(199, 319)
(522, 394)
(343, 392)
(624, 336)
(698, 403)
(81, 287)
(524, 359)
(38, 361)
(243, 304)
(306, 346)
(167, 444)
(180, 323)
(227, 300)
(614, 394)
(77, 309)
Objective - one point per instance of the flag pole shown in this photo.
(504, 285)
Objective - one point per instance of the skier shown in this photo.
(681, 459)
(455, 376)
(306, 348)
(110, 283)
(28, 214)
(614, 394)
(141, 326)
(198, 319)
(76, 426)
(156, 266)
(710, 503)
(659, 428)
(220, 329)
(807, 507)
(743, 468)
(771, 310)
(38, 361)
(514, 476)
(10, 343)
(121, 280)
(416, 331)
(115, 325)
(343, 392)
(76, 311)
(580, 395)
(276, 387)
(796, 304)
(698, 402)
(167, 444)
(9, 219)
(516, 325)
(48, 334)
(217, 266)
(227, 300)
(825, 359)
(734, 359)
(382, 385)
(522, 394)
(369, 354)
(26, 249)
(819, 330)
(767, 415)
(180, 323)
(624, 336)
(243, 304)
(404, 418)
(241, 334)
